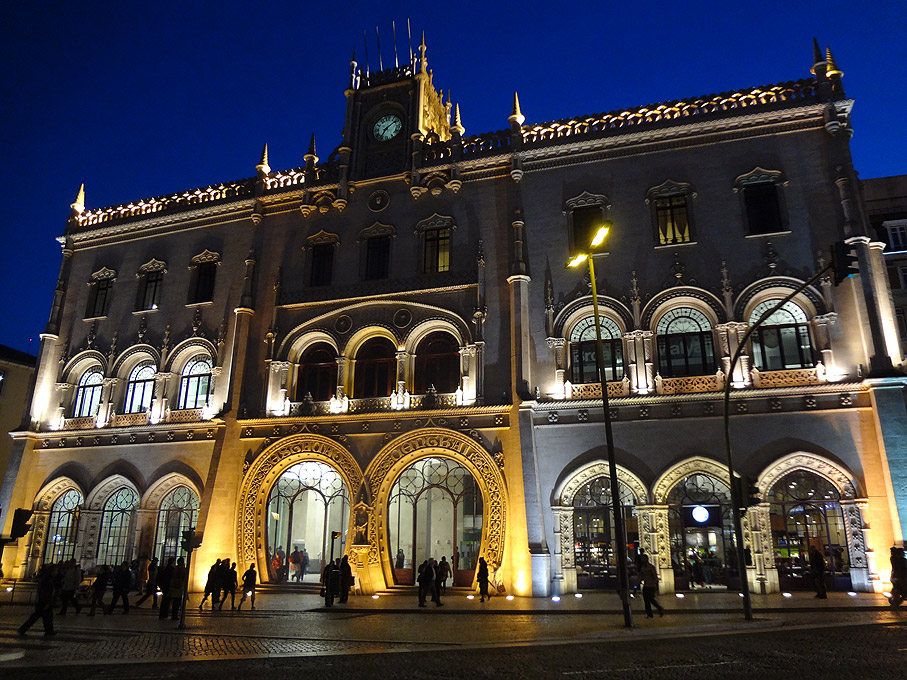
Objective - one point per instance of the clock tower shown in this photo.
(387, 111)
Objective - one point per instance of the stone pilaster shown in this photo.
(655, 539)
(563, 577)
(558, 346)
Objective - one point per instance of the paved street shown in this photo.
(390, 637)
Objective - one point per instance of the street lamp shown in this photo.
(623, 577)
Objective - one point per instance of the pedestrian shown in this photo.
(249, 579)
(436, 586)
(304, 563)
(177, 586)
(482, 578)
(210, 586)
(122, 584)
(151, 585)
(346, 579)
(229, 586)
(444, 574)
(72, 577)
(44, 601)
(98, 588)
(648, 580)
(330, 582)
(294, 564)
(164, 578)
(817, 571)
(426, 580)
(898, 576)
(280, 558)
(400, 559)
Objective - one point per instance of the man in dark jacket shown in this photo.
(98, 588)
(426, 580)
(164, 577)
(44, 601)
(817, 571)
(122, 584)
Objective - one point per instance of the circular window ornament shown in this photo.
(700, 514)
(402, 318)
(378, 200)
(343, 324)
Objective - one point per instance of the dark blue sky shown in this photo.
(142, 99)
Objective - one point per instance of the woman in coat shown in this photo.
(482, 578)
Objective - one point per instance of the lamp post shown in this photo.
(620, 530)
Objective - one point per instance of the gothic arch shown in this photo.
(691, 466)
(44, 501)
(305, 340)
(837, 475)
(184, 351)
(567, 489)
(402, 452)
(682, 296)
(425, 327)
(777, 288)
(132, 356)
(151, 500)
(99, 495)
(264, 471)
(82, 362)
(580, 308)
(51, 491)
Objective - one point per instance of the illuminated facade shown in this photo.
(386, 344)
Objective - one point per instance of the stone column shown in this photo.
(90, 528)
(468, 370)
(63, 389)
(858, 549)
(478, 379)
(277, 387)
(640, 369)
(342, 368)
(558, 346)
(403, 358)
(822, 340)
(159, 404)
(655, 539)
(729, 335)
(106, 410)
(757, 537)
(563, 576)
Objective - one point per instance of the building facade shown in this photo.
(17, 372)
(386, 344)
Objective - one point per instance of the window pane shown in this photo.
(436, 253)
(152, 294)
(763, 212)
(377, 257)
(204, 282)
(322, 264)
(673, 224)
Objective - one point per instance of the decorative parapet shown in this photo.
(86, 423)
(618, 388)
(130, 419)
(707, 105)
(188, 415)
(789, 378)
(371, 405)
(690, 384)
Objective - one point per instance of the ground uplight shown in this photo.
(852, 594)
(510, 597)
(578, 596)
(374, 597)
(555, 598)
(786, 595)
(679, 596)
(470, 597)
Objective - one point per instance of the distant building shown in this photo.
(386, 343)
(17, 371)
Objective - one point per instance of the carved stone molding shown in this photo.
(567, 490)
(691, 466)
(837, 475)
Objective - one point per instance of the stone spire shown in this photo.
(310, 154)
(817, 55)
(423, 61)
(78, 206)
(833, 69)
(457, 126)
(517, 116)
(263, 168)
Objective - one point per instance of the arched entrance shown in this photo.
(306, 504)
(262, 476)
(435, 510)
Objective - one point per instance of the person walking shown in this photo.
(151, 586)
(436, 586)
(346, 579)
(229, 586)
(44, 602)
(293, 560)
(648, 580)
(401, 557)
(164, 577)
(303, 564)
(482, 578)
(444, 574)
(72, 577)
(98, 588)
(177, 586)
(817, 571)
(210, 586)
(330, 582)
(249, 580)
(898, 576)
(122, 584)
(426, 580)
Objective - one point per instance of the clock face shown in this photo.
(387, 127)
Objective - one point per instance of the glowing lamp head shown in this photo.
(599, 237)
(577, 260)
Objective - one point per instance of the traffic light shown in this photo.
(20, 523)
(748, 492)
(335, 535)
(190, 541)
(843, 261)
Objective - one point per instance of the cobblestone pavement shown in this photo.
(287, 629)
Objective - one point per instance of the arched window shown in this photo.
(117, 527)
(178, 513)
(88, 393)
(63, 528)
(140, 388)
(782, 341)
(317, 373)
(685, 344)
(437, 363)
(376, 369)
(195, 383)
(583, 360)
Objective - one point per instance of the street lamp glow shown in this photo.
(578, 260)
(599, 236)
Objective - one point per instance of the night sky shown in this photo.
(142, 99)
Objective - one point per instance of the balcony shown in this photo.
(792, 377)
(395, 402)
(690, 384)
(618, 388)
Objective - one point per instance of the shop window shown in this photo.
(317, 374)
(88, 393)
(437, 363)
(782, 341)
(685, 344)
(375, 369)
(195, 383)
(583, 355)
(140, 388)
